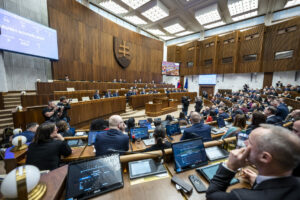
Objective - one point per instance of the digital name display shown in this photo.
(20, 35)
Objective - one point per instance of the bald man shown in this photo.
(113, 139)
(275, 151)
(198, 129)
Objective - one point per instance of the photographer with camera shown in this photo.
(52, 112)
(185, 104)
(64, 105)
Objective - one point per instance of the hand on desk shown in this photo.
(249, 175)
(238, 158)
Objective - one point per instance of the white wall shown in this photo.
(236, 81)
(193, 85)
(171, 79)
(286, 77)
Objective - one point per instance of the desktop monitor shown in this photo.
(147, 124)
(142, 122)
(189, 154)
(139, 133)
(92, 136)
(86, 179)
(173, 129)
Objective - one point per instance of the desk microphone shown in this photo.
(132, 152)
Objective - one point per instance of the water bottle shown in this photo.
(241, 138)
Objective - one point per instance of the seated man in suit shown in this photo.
(197, 129)
(135, 86)
(275, 152)
(97, 95)
(108, 94)
(30, 131)
(113, 139)
(116, 94)
(236, 110)
(271, 118)
(129, 93)
(282, 109)
(146, 86)
(222, 113)
(143, 91)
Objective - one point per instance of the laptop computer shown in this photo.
(173, 129)
(147, 167)
(75, 143)
(189, 154)
(216, 153)
(92, 136)
(91, 178)
(139, 133)
(142, 122)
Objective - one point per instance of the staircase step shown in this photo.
(11, 97)
(7, 120)
(5, 111)
(12, 102)
(10, 106)
(6, 125)
(4, 116)
(13, 94)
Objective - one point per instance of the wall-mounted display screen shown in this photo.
(208, 79)
(170, 68)
(21, 35)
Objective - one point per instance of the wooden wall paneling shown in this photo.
(268, 77)
(227, 48)
(279, 37)
(171, 53)
(251, 43)
(85, 46)
(178, 54)
(208, 55)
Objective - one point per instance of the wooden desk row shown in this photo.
(80, 113)
(139, 101)
(49, 88)
(153, 189)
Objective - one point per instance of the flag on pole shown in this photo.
(186, 85)
(178, 84)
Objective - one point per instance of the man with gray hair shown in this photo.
(113, 139)
(198, 129)
(275, 151)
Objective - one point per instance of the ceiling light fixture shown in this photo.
(213, 25)
(155, 11)
(291, 3)
(237, 7)
(167, 37)
(245, 16)
(156, 31)
(208, 14)
(135, 20)
(113, 7)
(174, 28)
(184, 33)
(135, 3)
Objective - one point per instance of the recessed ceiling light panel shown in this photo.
(208, 14)
(113, 7)
(135, 3)
(241, 6)
(174, 28)
(292, 3)
(245, 16)
(156, 31)
(135, 20)
(155, 11)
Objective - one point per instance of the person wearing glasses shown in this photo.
(113, 139)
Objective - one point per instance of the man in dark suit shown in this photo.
(197, 129)
(271, 118)
(116, 94)
(275, 152)
(113, 139)
(30, 131)
(282, 109)
(222, 113)
(198, 105)
(97, 95)
(236, 110)
(108, 94)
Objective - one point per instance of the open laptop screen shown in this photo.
(94, 177)
(92, 136)
(138, 133)
(189, 154)
(173, 129)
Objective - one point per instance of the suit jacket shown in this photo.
(273, 120)
(107, 95)
(97, 96)
(115, 94)
(224, 115)
(112, 139)
(28, 134)
(282, 111)
(46, 156)
(273, 189)
(200, 129)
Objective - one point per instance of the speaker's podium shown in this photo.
(160, 106)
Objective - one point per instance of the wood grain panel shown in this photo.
(207, 53)
(188, 54)
(227, 47)
(251, 43)
(85, 43)
(275, 42)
